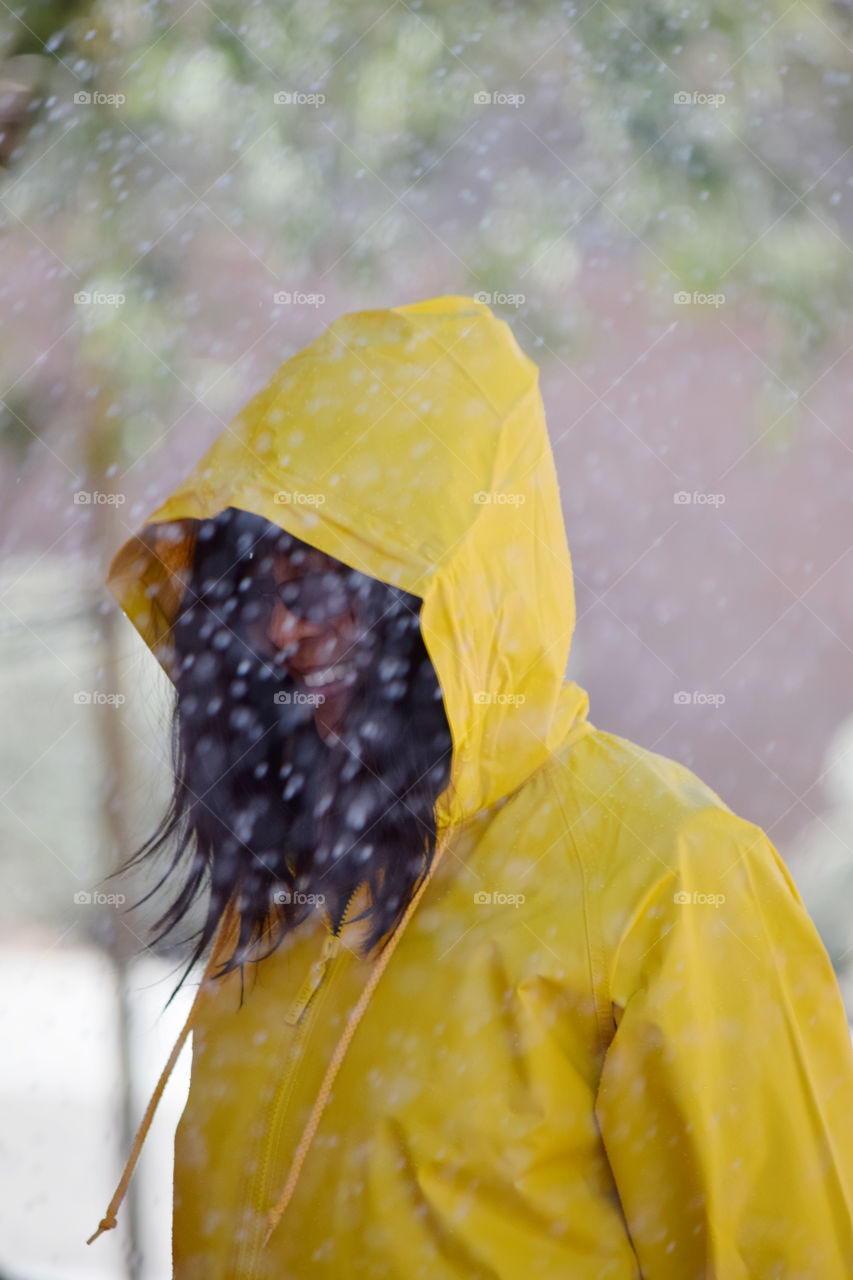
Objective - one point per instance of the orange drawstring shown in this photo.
(355, 1016)
(109, 1220)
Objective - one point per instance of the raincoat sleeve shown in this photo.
(725, 1101)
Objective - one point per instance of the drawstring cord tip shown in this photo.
(270, 1229)
(106, 1224)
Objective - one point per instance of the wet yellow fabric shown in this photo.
(610, 1043)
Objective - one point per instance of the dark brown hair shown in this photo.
(263, 812)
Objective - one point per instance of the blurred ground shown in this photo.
(58, 1106)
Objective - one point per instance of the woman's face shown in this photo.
(315, 638)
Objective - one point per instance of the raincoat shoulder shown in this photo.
(725, 1099)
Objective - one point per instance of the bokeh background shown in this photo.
(658, 198)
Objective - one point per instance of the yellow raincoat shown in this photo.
(606, 1042)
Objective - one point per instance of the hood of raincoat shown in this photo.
(410, 443)
(605, 1039)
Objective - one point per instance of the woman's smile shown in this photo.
(328, 679)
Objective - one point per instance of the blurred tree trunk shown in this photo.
(101, 445)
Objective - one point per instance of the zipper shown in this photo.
(295, 1017)
(331, 945)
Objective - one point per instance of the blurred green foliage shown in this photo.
(749, 195)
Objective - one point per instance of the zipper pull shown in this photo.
(331, 944)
